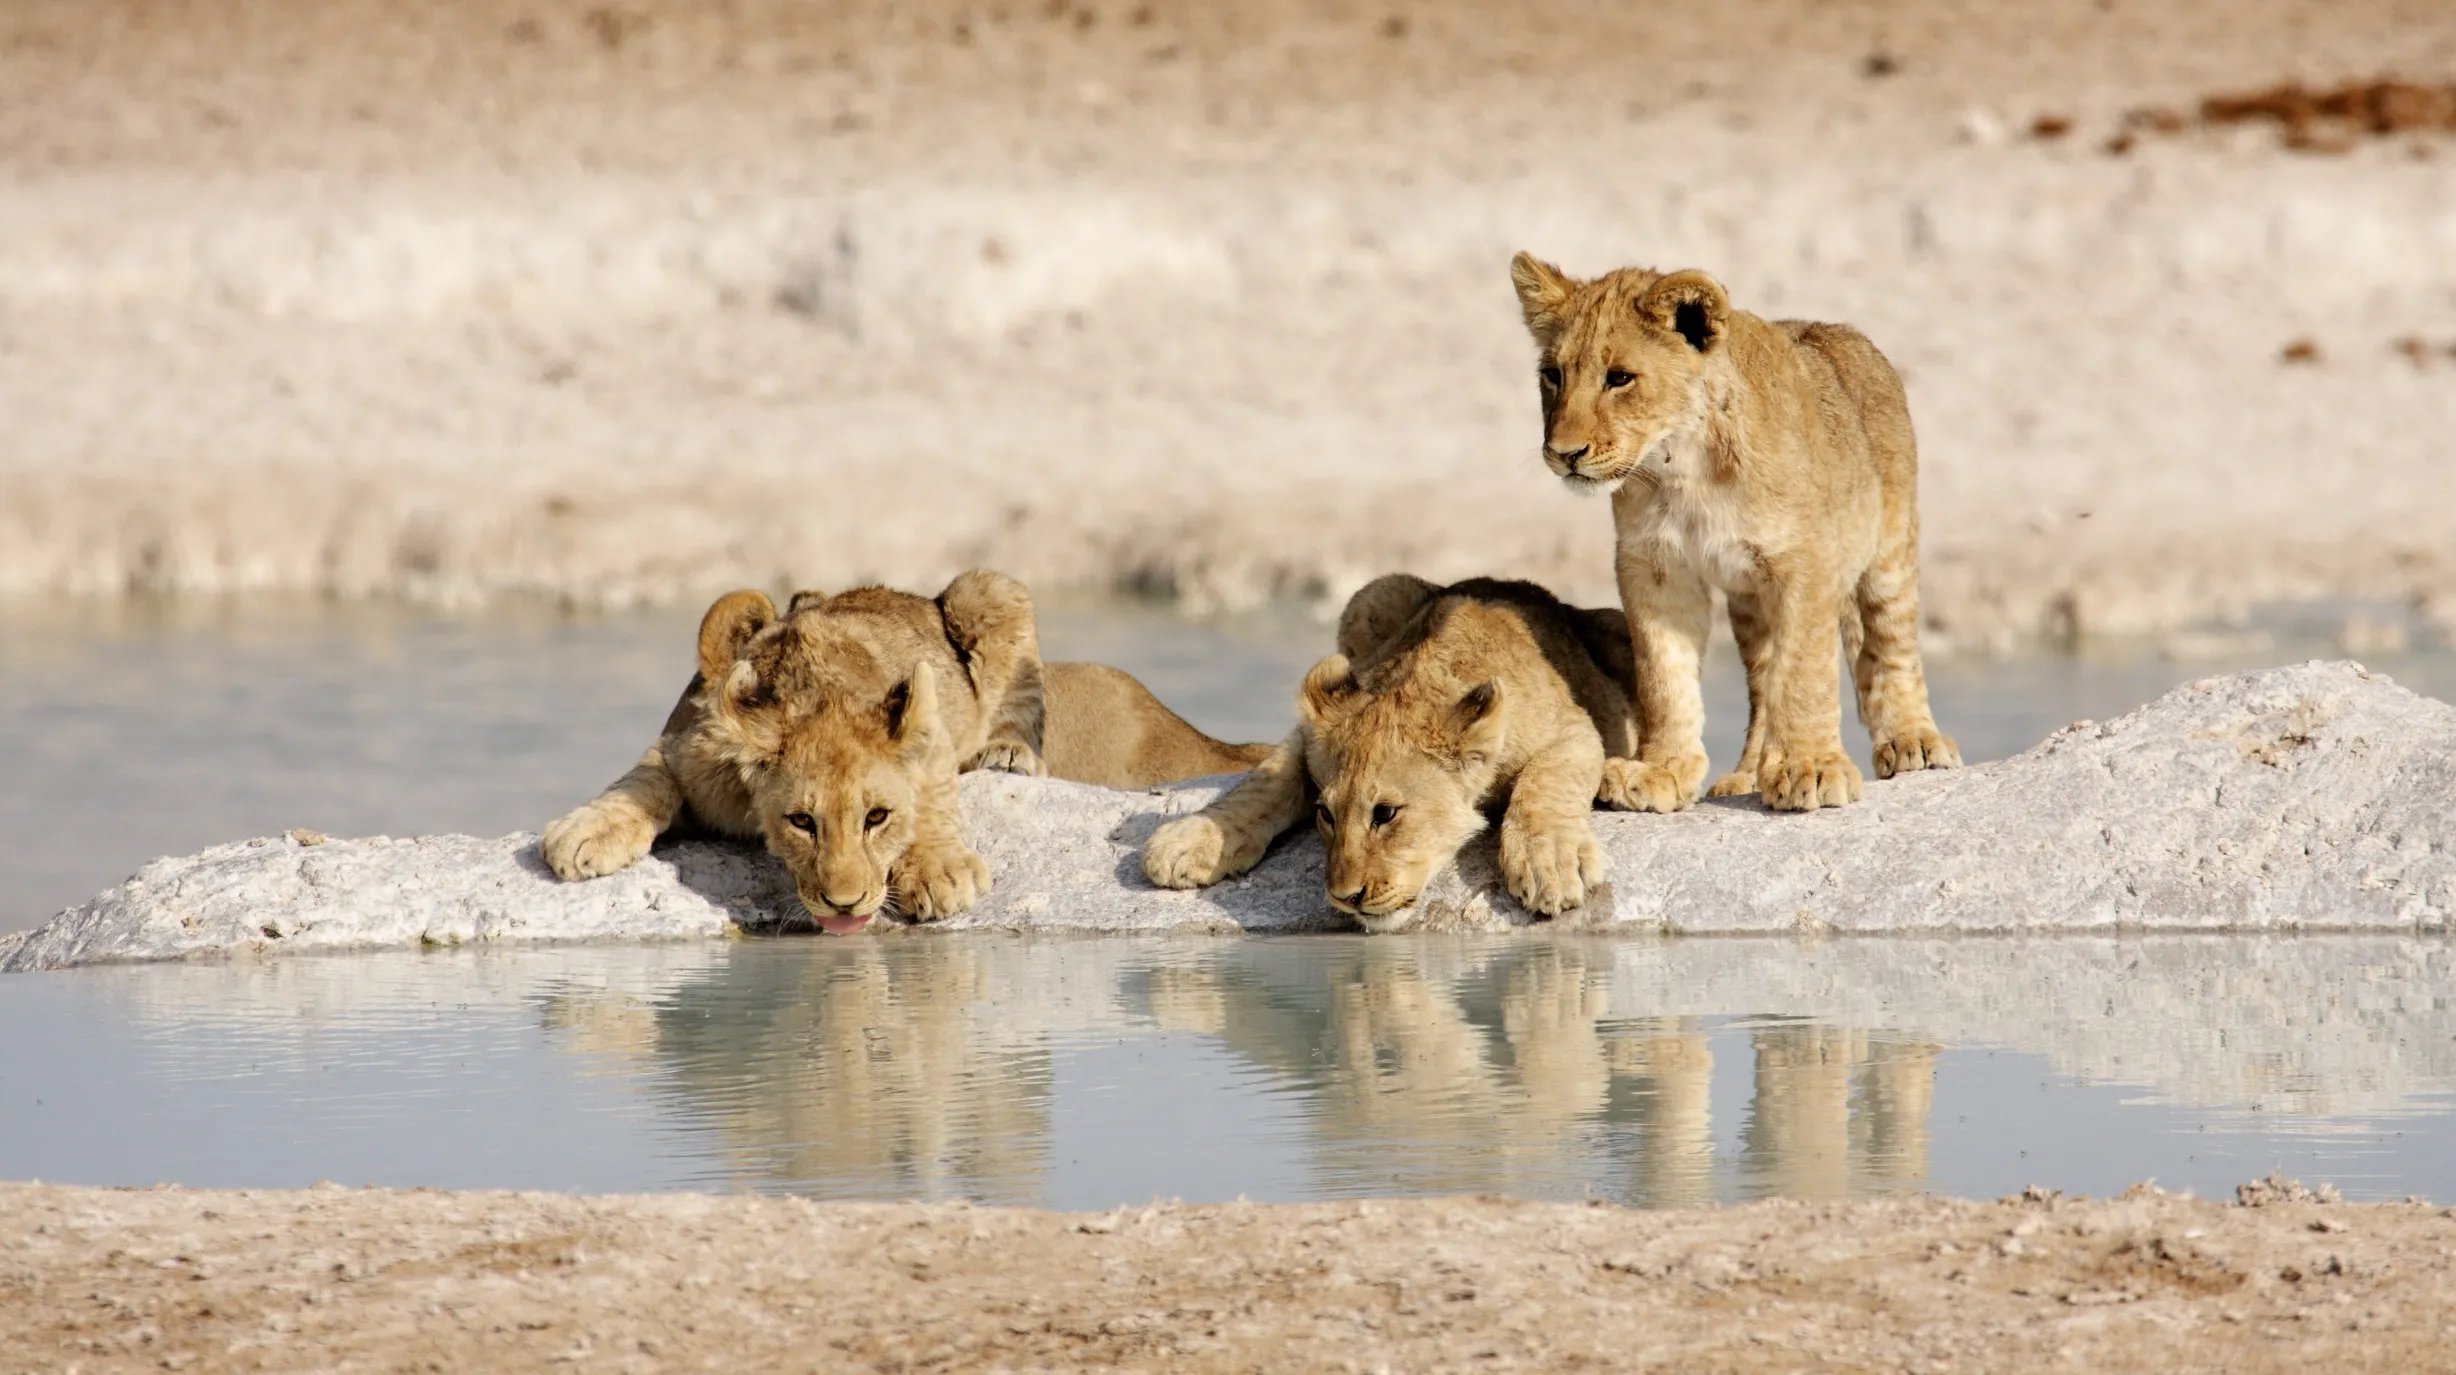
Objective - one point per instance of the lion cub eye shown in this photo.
(1321, 813)
(1616, 379)
(1384, 814)
(1551, 378)
(876, 818)
(801, 822)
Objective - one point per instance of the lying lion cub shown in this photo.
(1772, 460)
(835, 731)
(1441, 703)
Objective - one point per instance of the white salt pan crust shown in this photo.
(2318, 797)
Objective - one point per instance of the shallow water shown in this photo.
(128, 734)
(1091, 1073)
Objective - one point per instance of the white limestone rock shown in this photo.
(2317, 797)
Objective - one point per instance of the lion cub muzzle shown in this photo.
(1365, 900)
(1366, 885)
(840, 910)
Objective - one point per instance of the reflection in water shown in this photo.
(1807, 1137)
(1670, 1062)
(863, 1074)
(1427, 1081)
(1429, 1074)
(1095, 1072)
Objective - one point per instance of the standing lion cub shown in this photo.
(835, 731)
(1772, 460)
(1441, 703)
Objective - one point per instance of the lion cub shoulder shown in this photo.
(1441, 704)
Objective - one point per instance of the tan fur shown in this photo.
(1774, 461)
(1105, 727)
(834, 733)
(1442, 704)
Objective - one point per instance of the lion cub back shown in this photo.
(1104, 727)
(1510, 630)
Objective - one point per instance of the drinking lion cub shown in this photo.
(834, 732)
(1773, 460)
(1440, 704)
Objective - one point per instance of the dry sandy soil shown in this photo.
(629, 301)
(329, 1279)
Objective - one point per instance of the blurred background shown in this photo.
(329, 324)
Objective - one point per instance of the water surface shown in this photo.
(1091, 1073)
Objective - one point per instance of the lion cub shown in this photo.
(834, 732)
(1773, 460)
(1441, 704)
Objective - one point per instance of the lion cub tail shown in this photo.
(1103, 726)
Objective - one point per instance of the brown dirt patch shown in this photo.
(330, 1279)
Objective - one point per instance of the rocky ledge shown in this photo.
(2318, 797)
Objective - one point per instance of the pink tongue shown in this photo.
(842, 926)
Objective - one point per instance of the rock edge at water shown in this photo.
(2317, 797)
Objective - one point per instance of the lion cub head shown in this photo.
(1401, 768)
(831, 743)
(1625, 364)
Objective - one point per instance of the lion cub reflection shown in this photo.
(1442, 703)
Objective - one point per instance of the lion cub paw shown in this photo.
(1634, 785)
(1737, 783)
(1549, 868)
(1912, 750)
(940, 881)
(1808, 780)
(1009, 756)
(596, 839)
(1194, 852)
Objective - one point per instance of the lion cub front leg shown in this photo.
(1749, 632)
(1667, 604)
(1230, 836)
(1803, 766)
(615, 828)
(938, 875)
(1548, 853)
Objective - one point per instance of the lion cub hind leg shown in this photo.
(1231, 835)
(990, 622)
(1548, 854)
(1891, 683)
(614, 829)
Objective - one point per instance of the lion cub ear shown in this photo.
(1328, 686)
(912, 710)
(1477, 720)
(803, 600)
(729, 625)
(1691, 305)
(1543, 295)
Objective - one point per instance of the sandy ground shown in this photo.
(329, 1279)
(633, 301)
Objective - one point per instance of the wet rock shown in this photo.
(2316, 797)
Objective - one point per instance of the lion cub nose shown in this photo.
(1569, 455)
(1351, 899)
